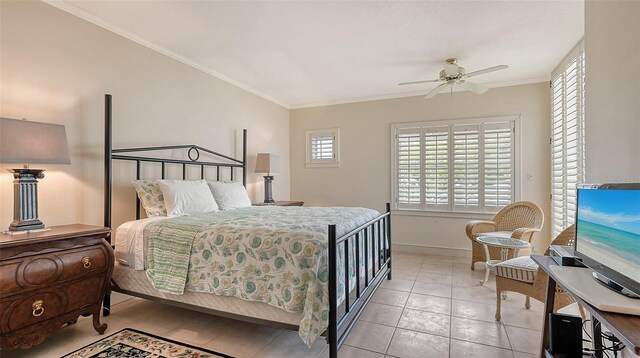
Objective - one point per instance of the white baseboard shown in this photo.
(431, 250)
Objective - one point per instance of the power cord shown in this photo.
(616, 346)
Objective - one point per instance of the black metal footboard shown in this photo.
(373, 240)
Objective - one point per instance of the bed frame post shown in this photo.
(106, 304)
(244, 157)
(332, 330)
(388, 237)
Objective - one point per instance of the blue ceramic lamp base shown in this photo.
(25, 199)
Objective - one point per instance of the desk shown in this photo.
(625, 327)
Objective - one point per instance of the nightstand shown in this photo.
(281, 203)
(49, 279)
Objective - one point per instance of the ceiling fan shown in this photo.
(454, 74)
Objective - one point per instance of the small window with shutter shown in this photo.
(323, 147)
(466, 165)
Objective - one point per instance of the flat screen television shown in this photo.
(608, 234)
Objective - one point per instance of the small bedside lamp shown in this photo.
(268, 164)
(27, 143)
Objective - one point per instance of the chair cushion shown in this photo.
(519, 268)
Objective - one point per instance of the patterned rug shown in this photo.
(131, 343)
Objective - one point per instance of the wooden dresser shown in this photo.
(49, 279)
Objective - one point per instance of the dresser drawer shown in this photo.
(46, 269)
(31, 310)
(83, 263)
(35, 309)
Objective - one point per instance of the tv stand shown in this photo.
(580, 281)
(612, 285)
(623, 326)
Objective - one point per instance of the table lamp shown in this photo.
(27, 142)
(268, 164)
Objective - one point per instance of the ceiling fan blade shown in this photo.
(486, 70)
(451, 69)
(436, 90)
(416, 82)
(473, 87)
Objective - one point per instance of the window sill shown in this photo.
(443, 214)
(322, 165)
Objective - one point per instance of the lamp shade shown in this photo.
(267, 163)
(29, 142)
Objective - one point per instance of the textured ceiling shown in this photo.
(305, 53)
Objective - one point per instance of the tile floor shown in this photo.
(433, 307)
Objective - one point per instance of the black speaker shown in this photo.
(565, 333)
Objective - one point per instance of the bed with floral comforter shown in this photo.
(275, 255)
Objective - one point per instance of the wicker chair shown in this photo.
(521, 219)
(538, 288)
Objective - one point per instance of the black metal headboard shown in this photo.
(193, 153)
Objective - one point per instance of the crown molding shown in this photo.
(96, 20)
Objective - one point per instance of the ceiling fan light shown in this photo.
(451, 70)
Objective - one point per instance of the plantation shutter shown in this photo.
(436, 162)
(322, 147)
(409, 168)
(498, 165)
(466, 166)
(567, 137)
(457, 165)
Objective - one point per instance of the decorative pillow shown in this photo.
(229, 195)
(183, 197)
(151, 197)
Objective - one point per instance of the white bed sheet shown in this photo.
(130, 243)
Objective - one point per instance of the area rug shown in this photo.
(131, 343)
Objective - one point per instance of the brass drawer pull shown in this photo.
(38, 310)
(85, 262)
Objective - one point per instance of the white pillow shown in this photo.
(183, 197)
(230, 195)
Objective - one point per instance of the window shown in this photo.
(464, 165)
(567, 137)
(323, 147)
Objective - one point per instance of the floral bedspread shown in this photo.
(275, 255)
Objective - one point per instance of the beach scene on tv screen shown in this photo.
(608, 229)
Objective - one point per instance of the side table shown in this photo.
(505, 244)
(49, 279)
(281, 203)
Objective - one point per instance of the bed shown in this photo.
(302, 268)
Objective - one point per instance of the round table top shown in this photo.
(503, 242)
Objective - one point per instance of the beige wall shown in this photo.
(364, 177)
(612, 46)
(56, 68)
(612, 114)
